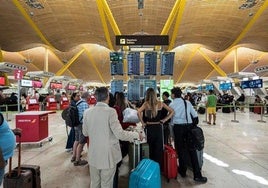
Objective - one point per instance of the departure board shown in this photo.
(133, 93)
(137, 88)
(167, 63)
(117, 86)
(133, 63)
(145, 84)
(116, 60)
(150, 61)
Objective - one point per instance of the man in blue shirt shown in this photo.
(181, 126)
(80, 139)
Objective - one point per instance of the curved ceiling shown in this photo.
(75, 37)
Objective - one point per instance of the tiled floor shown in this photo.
(235, 155)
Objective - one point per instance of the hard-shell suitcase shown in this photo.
(146, 174)
(18, 178)
(142, 154)
(170, 169)
(35, 169)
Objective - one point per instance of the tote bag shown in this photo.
(130, 116)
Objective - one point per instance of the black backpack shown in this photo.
(70, 115)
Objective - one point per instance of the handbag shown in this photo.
(195, 137)
(130, 116)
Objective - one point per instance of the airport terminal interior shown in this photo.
(235, 155)
(56, 48)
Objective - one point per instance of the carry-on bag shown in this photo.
(35, 169)
(18, 178)
(170, 169)
(142, 154)
(170, 166)
(146, 174)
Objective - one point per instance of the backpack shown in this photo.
(70, 115)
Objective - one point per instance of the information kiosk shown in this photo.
(32, 104)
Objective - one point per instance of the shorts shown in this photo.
(79, 135)
(211, 110)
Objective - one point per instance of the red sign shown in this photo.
(18, 74)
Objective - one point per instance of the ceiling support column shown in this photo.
(70, 62)
(94, 65)
(216, 67)
(187, 64)
(177, 25)
(104, 24)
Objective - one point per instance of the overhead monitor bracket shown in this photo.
(40, 74)
(7, 67)
(241, 75)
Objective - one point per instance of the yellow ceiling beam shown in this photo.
(171, 18)
(91, 59)
(250, 24)
(177, 24)
(187, 65)
(228, 52)
(104, 24)
(31, 23)
(235, 61)
(216, 67)
(58, 59)
(110, 17)
(70, 62)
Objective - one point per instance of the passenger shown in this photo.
(211, 107)
(7, 144)
(150, 116)
(167, 101)
(80, 139)
(71, 135)
(241, 102)
(120, 106)
(101, 125)
(180, 128)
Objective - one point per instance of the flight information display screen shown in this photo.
(137, 88)
(133, 63)
(117, 86)
(133, 93)
(225, 86)
(150, 63)
(209, 87)
(252, 84)
(167, 63)
(116, 60)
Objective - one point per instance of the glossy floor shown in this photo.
(235, 155)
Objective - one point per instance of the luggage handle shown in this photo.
(19, 157)
(138, 143)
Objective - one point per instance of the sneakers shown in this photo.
(80, 163)
(214, 123)
(201, 179)
(209, 123)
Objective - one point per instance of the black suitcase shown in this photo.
(35, 169)
(18, 178)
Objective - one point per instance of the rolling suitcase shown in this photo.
(18, 178)
(142, 154)
(146, 174)
(170, 169)
(35, 169)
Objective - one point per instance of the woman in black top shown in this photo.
(150, 116)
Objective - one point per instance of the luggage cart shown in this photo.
(34, 126)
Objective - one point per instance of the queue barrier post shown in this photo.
(206, 116)
(7, 119)
(261, 120)
(234, 120)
